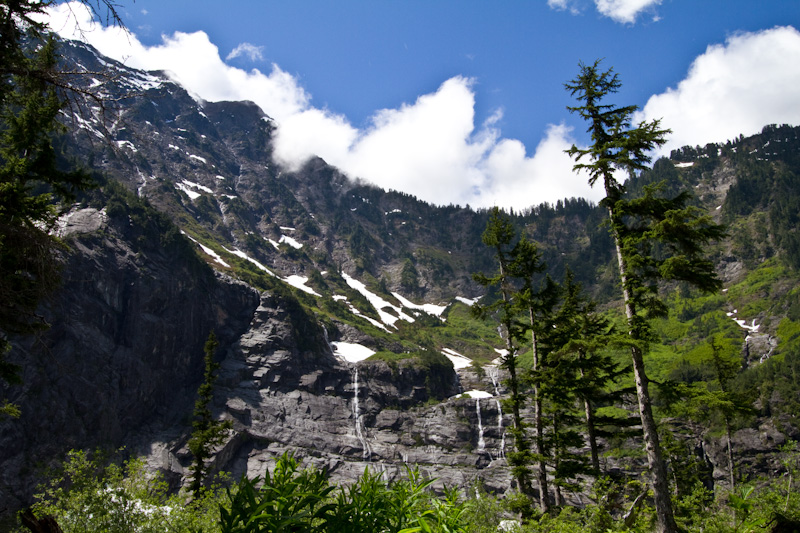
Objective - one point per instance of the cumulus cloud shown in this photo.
(731, 89)
(251, 51)
(573, 6)
(624, 11)
(544, 177)
(430, 148)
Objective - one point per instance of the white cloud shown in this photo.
(624, 11)
(731, 89)
(547, 176)
(251, 51)
(564, 5)
(430, 148)
(557, 4)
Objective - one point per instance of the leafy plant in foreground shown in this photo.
(91, 496)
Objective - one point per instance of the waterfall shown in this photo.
(481, 441)
(502, 429)
(494, 374)
(367, 451)
(327, 340)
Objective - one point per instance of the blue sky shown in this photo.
(463, 101)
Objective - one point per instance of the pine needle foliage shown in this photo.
(657, 238)
(208, 432)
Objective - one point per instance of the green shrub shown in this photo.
(90, 496)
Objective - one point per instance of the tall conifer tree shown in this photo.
(655, 238)
(500, 235)
(536, 305)
(208, 432)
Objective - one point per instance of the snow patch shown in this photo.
(684, 165)
(291, 242)
(377, 302)
(201, 159)
(467, 301)
(351, 352)
(197, 186)
(299, 282)
(752, 328)
(189, 192)
(458, 360)
(127, 144)
(239, 253)
(431, 309)
(478, 394)
(208, 251)
(143, 81)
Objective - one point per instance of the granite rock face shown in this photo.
(124, 350)
(343, 416)
(122, 359)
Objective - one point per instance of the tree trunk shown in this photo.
(522, 478)
(587, 407)
(47, 524)
(541, 473)
(557, 459)
(658, 471)
(730, 453)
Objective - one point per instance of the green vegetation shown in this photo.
(30, 177)
(90, 495)
(572, 361)
(658, 237)
(208, 432)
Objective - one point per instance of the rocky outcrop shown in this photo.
(124, 350)
(122, 359)
(340, 416)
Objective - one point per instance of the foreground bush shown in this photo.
(89, 497)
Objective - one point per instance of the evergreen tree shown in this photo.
(499, 235)
(579, 338)
(29, 181)
(705, 402)
(208, 432)
(726, 369)
(409, 277)
(655, 238)
(32, 94)
(537, 306)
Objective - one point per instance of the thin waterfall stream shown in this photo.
(359, 422)
(481, 440)
(494, 374)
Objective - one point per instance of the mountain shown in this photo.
(194, 228)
